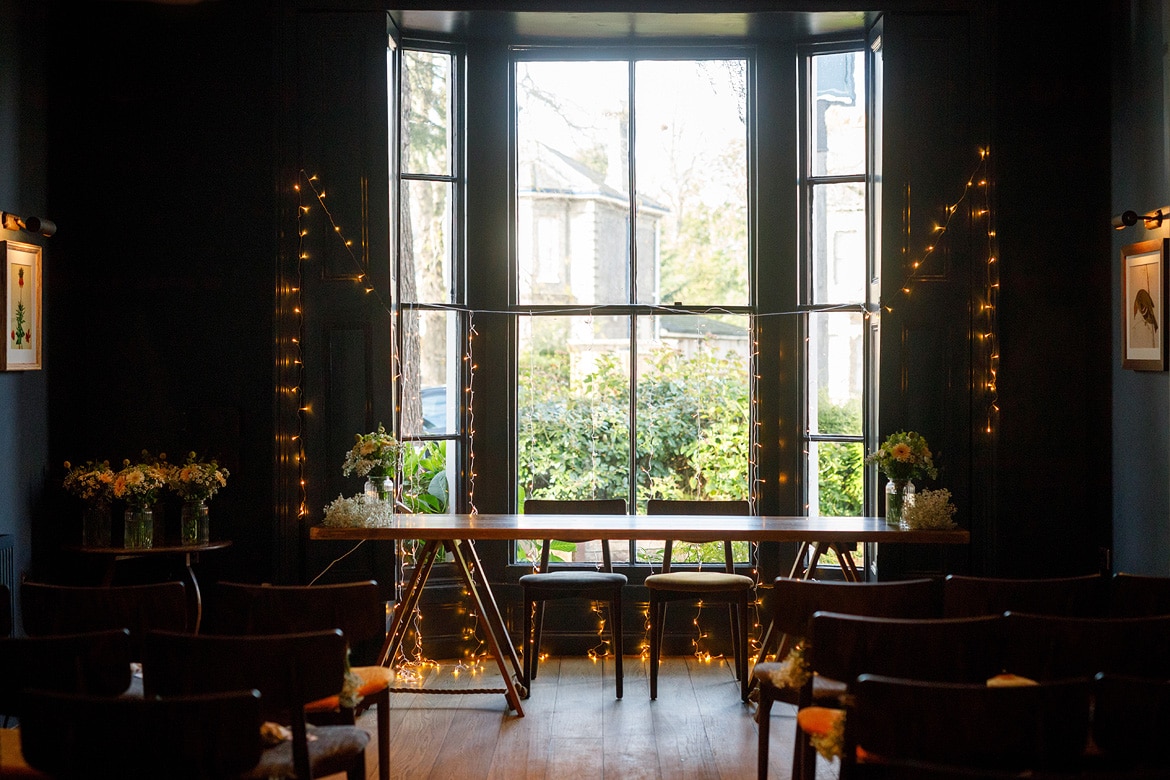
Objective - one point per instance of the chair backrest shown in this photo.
(1131, 718)
(964, 595)
(48, 609)
(1034, 727)
(662, 506)
(206, 737)
(842, 647)
(795, 601)
(357, 608)
(289, 670)
(1133, 595)
(1051, 647)
(96, 663)
(583, 506)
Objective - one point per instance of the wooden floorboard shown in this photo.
(575, 727)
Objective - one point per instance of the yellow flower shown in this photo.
(901, 451)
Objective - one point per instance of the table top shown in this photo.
(158, 549)
(687, 528)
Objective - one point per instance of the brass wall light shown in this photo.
(9, 221)
(1151, 220)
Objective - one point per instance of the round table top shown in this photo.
(158, 549)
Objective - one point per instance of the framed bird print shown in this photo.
(1143, 305)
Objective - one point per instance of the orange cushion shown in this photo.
(819, 720)
(373, 679)
(12, 763)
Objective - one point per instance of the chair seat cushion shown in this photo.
(331, 750)
(699, 581)
(572, 579)
(12, 763)
(373, 679)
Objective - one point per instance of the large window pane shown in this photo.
(573, 141)
(691, 137)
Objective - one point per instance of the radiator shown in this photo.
(8, 571)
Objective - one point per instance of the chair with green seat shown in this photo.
(726, 587)
(357, 608)
(591, 584)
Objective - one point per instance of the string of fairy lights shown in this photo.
(976, 193)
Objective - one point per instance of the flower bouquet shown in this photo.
(196, 480)
(93, 483)
(902, 457)
(374, 455)
(139, 484)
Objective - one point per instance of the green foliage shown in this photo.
(424, 477)
(840, 467)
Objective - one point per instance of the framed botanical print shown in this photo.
(21, 288)
(1143, 305)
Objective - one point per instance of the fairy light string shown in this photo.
(976, 191)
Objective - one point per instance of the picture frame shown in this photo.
(1143, 305)
(20, 287)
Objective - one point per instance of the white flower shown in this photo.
(359, 511)
(931, 510)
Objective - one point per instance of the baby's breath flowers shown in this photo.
(360, 511)
(931, 509)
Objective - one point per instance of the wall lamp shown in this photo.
(9, 221)
(1152, 220)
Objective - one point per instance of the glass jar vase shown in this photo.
(138, 528)
(193, 522)
(899, 495)
(95, 524)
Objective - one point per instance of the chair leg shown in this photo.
(741, 661)
(764, 722)
(615, 632)
(527, 643)
(655, 643)
(382, 720)
(736, 622)
(537, 628)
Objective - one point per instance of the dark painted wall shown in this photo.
(153, 135)
(1141, 182)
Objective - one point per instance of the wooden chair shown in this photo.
(965, 596)
(48, 609)
(289, 671)
(1053, 647)
(73, 736)
(1134, 595)
(1131, 719)
(95, 663)
(794, 604)
(356, 608)
(1043, 727)
(726, 587)
(548, 585)
(842, 647)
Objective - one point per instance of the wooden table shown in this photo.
(188, 552)
(456, 535)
